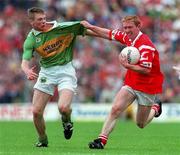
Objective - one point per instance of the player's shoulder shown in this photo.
(144, 43)
(31, 34)
(146, 39)
(30, 39)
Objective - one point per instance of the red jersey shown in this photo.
(148, 83)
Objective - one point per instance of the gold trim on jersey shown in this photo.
(54, 46)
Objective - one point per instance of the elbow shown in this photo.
(22, 66)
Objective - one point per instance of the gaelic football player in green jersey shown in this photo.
(54, 42)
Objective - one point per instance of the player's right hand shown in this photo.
(31, 74)
(123, 60)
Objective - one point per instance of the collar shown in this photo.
(137, 37)
(55, 24)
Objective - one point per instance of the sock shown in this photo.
(156, 108)
(66, 117)
(43, 139)
(103, 138)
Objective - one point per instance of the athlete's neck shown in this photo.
(48, 27)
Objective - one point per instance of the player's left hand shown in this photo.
(31, 73)
(86, 24)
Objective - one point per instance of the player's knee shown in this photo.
(37, 113)
(140, 125)
(63, 109)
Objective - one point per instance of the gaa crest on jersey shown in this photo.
(38, 40)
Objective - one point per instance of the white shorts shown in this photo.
(142, 98)
(64, 77)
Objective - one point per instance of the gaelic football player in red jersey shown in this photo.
(143, 81)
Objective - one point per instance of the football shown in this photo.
(132, 54)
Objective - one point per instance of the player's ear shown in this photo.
(31, 22)
(139, 25)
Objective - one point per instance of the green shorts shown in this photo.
(141, 98)
(64, 77)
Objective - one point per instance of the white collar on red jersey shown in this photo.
(137, 37)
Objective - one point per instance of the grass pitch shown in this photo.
(18, 138)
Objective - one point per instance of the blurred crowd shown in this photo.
(98, 69)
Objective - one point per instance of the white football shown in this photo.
(132, 54)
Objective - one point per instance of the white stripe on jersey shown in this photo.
(124, 35)
(113, 34)
(146, 47)
(146, 64)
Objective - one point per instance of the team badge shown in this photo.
(38, 40)
(43, 79)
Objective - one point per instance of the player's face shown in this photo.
(130, 29)
(39, 22)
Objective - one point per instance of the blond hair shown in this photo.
(135, 19)
(34, 10)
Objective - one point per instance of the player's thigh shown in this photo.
(145, 101)
(67, 78)
(67, 85)
(142, 113)
(123, 99)
(40, 100)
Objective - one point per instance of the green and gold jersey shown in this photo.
(55, 47)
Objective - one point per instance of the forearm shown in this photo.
(92, 33)
(100, 32)
(25, 65)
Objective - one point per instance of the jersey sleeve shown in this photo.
(28, 49)
(147, 56)
(120, 36)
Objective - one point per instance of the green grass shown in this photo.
(18, 138)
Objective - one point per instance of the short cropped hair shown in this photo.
(34, 10)
(132, 18)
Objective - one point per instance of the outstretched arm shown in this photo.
(94, 34)
(95, 30)
(116, 34)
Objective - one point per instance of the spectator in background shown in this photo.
(143, 81)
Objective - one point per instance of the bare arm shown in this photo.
(136, 68)
(92, 33)
(177, 69)
(95, 30)
(30, 72)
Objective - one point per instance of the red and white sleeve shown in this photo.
(120, 36)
